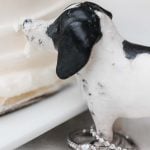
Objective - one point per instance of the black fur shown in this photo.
(74, 33)
(132, 50)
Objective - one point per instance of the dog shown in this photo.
(113, 73)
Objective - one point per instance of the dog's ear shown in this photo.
(74, 39)
(75, 48)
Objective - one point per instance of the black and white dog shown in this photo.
(114, 73)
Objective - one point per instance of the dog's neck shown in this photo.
(107, 49)
(111, 40)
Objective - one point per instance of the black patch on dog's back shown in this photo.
(132, 50)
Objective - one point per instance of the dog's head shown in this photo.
(74, 33)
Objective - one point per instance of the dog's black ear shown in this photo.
(75, 48)
(74, 39)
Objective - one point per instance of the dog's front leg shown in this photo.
(104, 117)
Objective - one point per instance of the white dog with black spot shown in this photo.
(114, 74)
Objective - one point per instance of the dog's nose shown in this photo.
(26, 21)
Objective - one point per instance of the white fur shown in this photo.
(35, 32)
(124, 89)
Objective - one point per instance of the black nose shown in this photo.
(27, 21)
